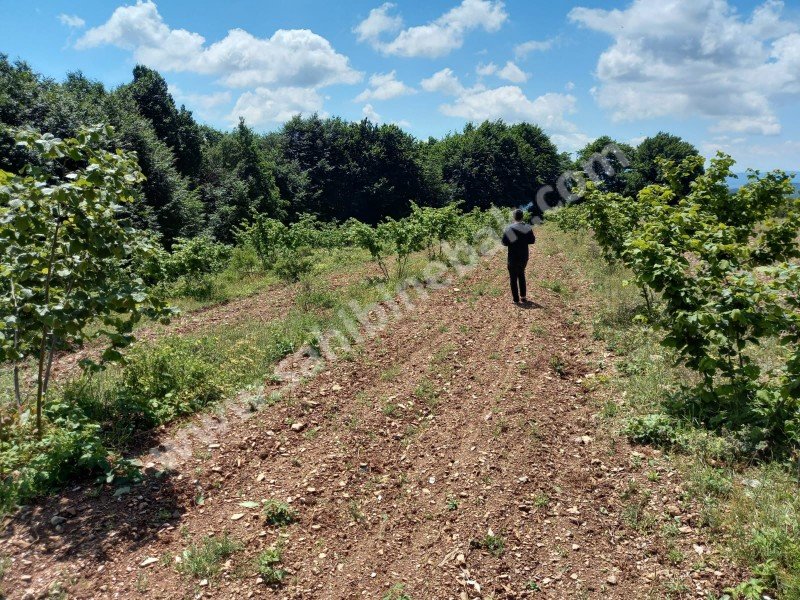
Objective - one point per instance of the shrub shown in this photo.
(657, 429)
(718, 259)
(160, 382)
(71, 447)
(267, 565)
(167, 380)
(278, 513)
(196, 256)
(292, 265)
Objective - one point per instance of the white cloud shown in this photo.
(434, 39)
(512, 73)
(571, 142)
(369, 112)
(377, 23)
(511, 104)
(200, 101)
(522, 50)
(384, 86)
(698, 58)
(569, 86)
(72, 21)
(484, 70)
(266, 105)
(289, 58)
(443, 82)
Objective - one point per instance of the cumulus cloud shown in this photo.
(370, 113)
(699, 58)
(485, 70)
(263, 106)
(72, 21)
(443, 82)
(383, 86)
(206, 106)
(378, 22)
(291, 58)
(508, 102)
(511, 104)
(512, 73)
(434, 39)
(748, 155)
(522, 50)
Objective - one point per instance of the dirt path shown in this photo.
(467, 423)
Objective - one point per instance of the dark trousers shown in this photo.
(516, 273)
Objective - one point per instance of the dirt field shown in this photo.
(459, 454)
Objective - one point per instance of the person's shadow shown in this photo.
(529, 305)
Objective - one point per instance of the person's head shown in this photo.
(518, 215)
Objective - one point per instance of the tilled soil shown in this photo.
(458, 453)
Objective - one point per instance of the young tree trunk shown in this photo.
(17, 394)
(50, 353)
(40, 388)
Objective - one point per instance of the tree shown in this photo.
(238, 181)
(177, 129)
(68, 255)
(645, 168)
(607, 162)
(496, 164)
(167, 204)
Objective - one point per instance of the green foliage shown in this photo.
(718, 262)
(238, 181)
(493, 543)
(363, 236)
(278, 513)
(495, 163)
(189, 268)
(70, 448)
(160, 382)
(402, 237)
(204, 560)
(68, 254)
(196, 257)
(396, 592)
(267, 565)
(655, 429)
(570, 218)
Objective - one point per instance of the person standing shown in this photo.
(517, 237)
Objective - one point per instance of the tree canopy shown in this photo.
(198, 179)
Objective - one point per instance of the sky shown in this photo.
(723, 74)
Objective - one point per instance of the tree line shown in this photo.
(201, 180)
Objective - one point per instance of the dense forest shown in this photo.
(203, 180)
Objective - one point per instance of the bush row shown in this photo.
(722, 267)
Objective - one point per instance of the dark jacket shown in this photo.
(517, 237)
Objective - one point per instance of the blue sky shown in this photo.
(721, 73)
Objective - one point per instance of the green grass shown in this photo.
(204, 560)
(493, 543)
(396, 592)
(751, 510)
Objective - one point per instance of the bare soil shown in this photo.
(468, 422)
